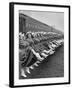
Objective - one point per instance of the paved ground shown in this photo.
(53, 66)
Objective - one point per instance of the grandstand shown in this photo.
(27, 23)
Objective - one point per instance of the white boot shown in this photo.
(31, 67)
(23, 73)
(44, 55)
(35, 64)
(27, 70)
